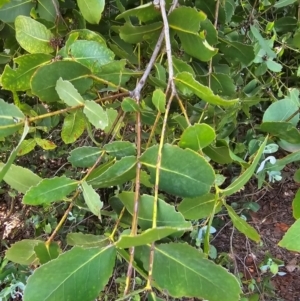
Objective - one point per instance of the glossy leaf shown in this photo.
(91, 10)
(183, 172)
(92, 199)
(22, 252)
(245, 176)
(90, 266)
(242, 225)
(49, 190)
(68, 93)
(197, 137)
(84, 156)
(44, 80)
(177, 264)
(10, 116)
(185, 80)
(87, 240)
(146, 237)
(167, 216)
(18, 79)
(122, 171)
(120, 149)
(291, 239)
(95, 114)
(197, 208)
(73, 126)
(33, 36)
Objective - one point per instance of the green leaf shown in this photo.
(89, 35)
(273, 66)
(242, 225)
(283, 130)
(95, 114)
(19, 79)
(177, 264)
(122, 171)
(33, 36)
(197, 208)
(46, 10)
(283, 3)
(91, 54)
(159, 100)
(291, 239)
(296, 205)
(129, 105)
(91, 267)
(197, 136)
(68, 93)
(22, 252)
(87, 240)
(45, 144)
(167, 216)
(85, 156)
(92, 199)
(185, 80)
(46, 253)
(44, 80)
(183, 172)
(91, 10)
(237, 51)
(120, 149)
(181, 66)
(15, 8)
(49, 190)
(146, 237)
(73, 127)
(27, 146)
(222, 84)
(285, 24)
(245, 176)
(191, 40)
(135, 34)
(10, 116)
(219, 153)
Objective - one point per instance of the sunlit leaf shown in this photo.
(91, 9)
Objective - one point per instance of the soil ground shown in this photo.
(271, 221)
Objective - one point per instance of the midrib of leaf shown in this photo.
(183, 30)
(34, 37)
(13, 7)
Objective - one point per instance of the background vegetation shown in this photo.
(149, 116)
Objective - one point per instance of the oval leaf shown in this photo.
(91, 10)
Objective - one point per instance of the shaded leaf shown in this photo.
(120, 149)
(46, 253)
(92, 199)
(84, 156)
(159, 100)
(129, 105)
(46, 10)
(15, 8)
(91, 10)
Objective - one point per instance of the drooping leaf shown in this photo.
(177, 264)
(33, 36)
(91, 10)
(95, 114)
(73, 126)
(44, 80)
(183, 172)
(19, 79)
(87, 240)
(242, 225)
(22, 252)
(10, 117)
(146, 237)
(245, 176)
(93, 267)
(49, 190)
(291, 239)
(122, 171)
(27, 146)
(91, 54)
(167, 216)
(68, 93)
(120, 149)
(15, 8)
(197, 208)
(46, 253)
(159, 100)
(92, 199)
(185, 80)
(45, 144)
(197, 137)
(84, 156)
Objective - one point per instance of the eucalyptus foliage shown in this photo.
(182, 93)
